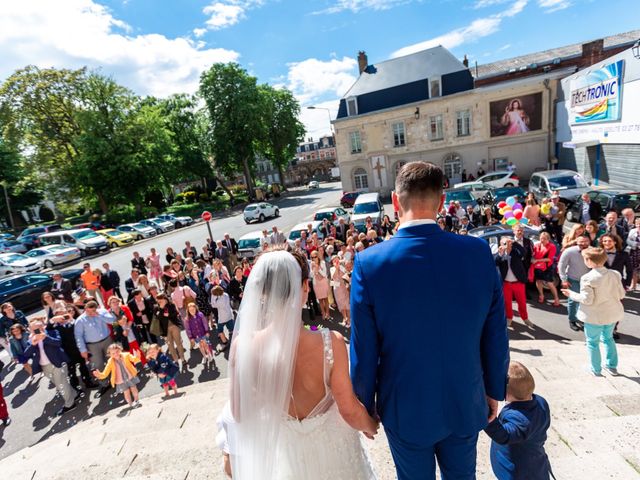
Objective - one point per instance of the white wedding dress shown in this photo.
(322, 446)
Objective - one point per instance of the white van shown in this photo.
(84, 239)
(249, 245)
(367, 205)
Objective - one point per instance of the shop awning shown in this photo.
(586, 143)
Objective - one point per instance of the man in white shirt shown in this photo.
(571, 268)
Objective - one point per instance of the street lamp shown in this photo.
(328, 113)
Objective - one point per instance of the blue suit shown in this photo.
(428, 341)
(52, 348)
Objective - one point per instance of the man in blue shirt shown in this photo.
(93, 337)
(519, 432)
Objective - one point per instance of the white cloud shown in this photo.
(553, 5)
(357, 5)
(316, 121)
(313, 79)
(223, 15)
(75, 33)
(481, 27)
(198, 32)
(488, 3)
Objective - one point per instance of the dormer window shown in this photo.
(434, 87)
(352, 106)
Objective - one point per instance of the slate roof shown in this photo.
(547, 56)
(421, 65)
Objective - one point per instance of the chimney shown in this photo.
(363, 61)
(465, 61)
(592, 52)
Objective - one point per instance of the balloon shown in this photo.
(502, 204)
(517, 214)
(545, 209)
(508, 215)
(511, 201)
(517, 206)
(501, 211)
(524, 221)
(512, 221)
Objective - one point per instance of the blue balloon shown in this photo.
(511, 201)
(524, 221)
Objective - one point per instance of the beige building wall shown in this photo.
(529, 151)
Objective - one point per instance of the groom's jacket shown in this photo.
(422, 357)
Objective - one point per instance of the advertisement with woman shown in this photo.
(516, 115)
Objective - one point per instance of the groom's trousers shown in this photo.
(456, 458)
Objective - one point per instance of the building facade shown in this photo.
(461, 128)
(599, 121)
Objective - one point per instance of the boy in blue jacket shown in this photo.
(519, 432)
(165, 368)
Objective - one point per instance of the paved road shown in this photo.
(32, 405)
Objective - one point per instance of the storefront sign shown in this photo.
(597, 96)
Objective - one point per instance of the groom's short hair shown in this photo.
(419, 182)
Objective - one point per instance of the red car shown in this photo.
(348, 199)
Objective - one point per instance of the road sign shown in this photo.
(206, 216)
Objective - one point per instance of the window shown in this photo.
(436, 129)
(398, 134)
(356, 144)
(352, 106)
(463, 120)
(360, 179)
(435, 87)
(500, 163)
(398, 166)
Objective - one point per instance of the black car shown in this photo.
(459, 195)
(606, 201)
(24, 290)
(497, 195)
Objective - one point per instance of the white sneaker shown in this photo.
(612, 371)
(205, 360)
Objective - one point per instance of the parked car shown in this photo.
(367, 205)
(606, 201)
(25, 291)
(29, 236)
(333, 214)
(116, 238)
(313, 184)
(7, 236)
(569, 184)
(138, 230)
(54, 255)
(13, 263)
(460, 195)
(14, 246)
(249, 245)
(477, 189)
(348, 199)
(84, 239)
(495, 179)
(160, 226)
(259, 212)
(178, 222)
(294, 234)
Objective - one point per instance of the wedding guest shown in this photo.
(519, 433)
(91, 283)
(122, 374)
(633, 245)
(627, 222)
(62, 287)
(169, 320)
(340, 290)
(617, 258)
(544, 253)
(106, 288)
(611, 226)
(139, 263)
(142, 313)
(18, 344)
(221, 302)
(590, 210)
(170, 255)
(164, 368)
(487, 217)
(592, 232)
(232, 247)
(321, 283)
(181, 296)
(9, 317)
(153, 264)
(571, 238)
(197, 283)
(189, 249)
(197, 328)
(236, 287)
(532, 212)
(571, 269)
(600, 298)
(131, 283)
(511, 264)
(114, 278)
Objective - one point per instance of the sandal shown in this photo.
(556, 304)
(541, 299)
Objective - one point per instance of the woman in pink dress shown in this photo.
(153, 264)
(532, 212)
(321, 284)
(340, 289)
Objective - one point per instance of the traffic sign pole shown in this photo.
(206, 216)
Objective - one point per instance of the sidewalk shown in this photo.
(595, 429)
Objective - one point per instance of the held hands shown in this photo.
(372, 427)
(565, 292)
(493, 409)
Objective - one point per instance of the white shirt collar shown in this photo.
(415, 223)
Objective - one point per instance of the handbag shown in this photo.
(187, 298)
(155, 328)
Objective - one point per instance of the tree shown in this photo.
(233, 102)
(284, 130)
(203, 134)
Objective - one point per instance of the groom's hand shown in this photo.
(493, 409)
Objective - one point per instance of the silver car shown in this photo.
(160, 226)
(54, 255)
(8, 246)
(11, 263)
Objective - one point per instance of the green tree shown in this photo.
(284, 130)
(233, 102)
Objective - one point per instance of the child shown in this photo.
(519, 432)
(600, 296)
(123, 334)
(221, 301)
(18, 342)
(197, 328)
(123, 373)
(162, 365)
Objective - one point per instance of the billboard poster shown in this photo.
(597, 96)
(516, 115)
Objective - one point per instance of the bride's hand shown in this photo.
(372, 428)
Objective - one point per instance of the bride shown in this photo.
(295, 415)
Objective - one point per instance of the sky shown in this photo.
(160, 47)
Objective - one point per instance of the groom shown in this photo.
(431, 365)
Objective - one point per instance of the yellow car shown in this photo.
(116, 238)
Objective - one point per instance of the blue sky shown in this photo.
(160, 46)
